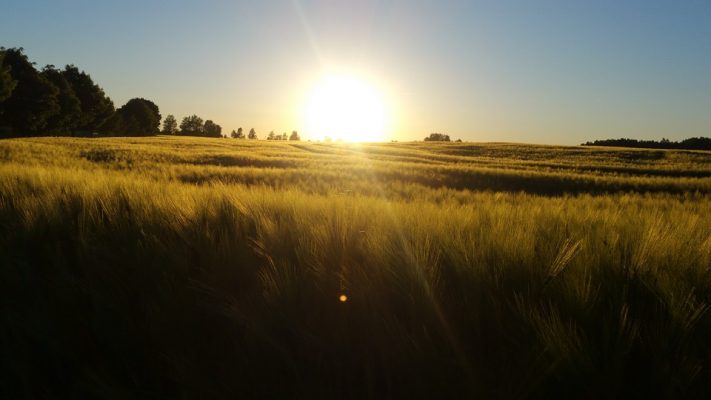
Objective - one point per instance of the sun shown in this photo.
(345, 107)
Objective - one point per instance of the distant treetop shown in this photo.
(138, 117)
(170, 125)
(211, 129)
(437, 137)
(237, 134)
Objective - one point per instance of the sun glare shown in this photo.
(345, 107)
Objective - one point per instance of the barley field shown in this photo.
(183, 268)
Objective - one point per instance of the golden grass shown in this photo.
(179, 267)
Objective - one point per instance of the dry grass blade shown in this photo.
(566, 254)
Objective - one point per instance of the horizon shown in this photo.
(556, 73)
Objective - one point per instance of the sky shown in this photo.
(546, 71)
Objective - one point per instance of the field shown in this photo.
(171, 267)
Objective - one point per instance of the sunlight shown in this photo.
(345, 107)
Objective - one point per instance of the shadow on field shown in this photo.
(547, 185)
(476, 181)
(234, 161)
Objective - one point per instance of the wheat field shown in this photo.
(173, 267)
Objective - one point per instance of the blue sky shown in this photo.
(558, 72)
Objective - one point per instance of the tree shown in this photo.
(66, 120)
(252, 134)
(32, 101)
(211, 129)
(138, 117)
(270, 136)
(170, 125)
(192, 126)
(294, 136)
(7, 84)
(437, 137)
(96, 106)
(283, 136)
(238, 134)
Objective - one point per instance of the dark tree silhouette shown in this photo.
(252, 134)
(96, 107)
(437, 137)
(192, 126)
(270, 136)
(238, 134)
(211, 129)
(695, 143)
(138, 117)
(33, 100)
(294, 136)
(170, 125)
(65, 102)
(7, 84)
(68, 118)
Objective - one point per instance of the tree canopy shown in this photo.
(96, 106)
(138, 117)
(437, 137)
(211, 129)
(67, 119)
(192, 126)
(238, 134)
(7, 84)
(33, 100)
(170, 125)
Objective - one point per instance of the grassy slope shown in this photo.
(177, 267)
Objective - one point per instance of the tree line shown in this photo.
(67, 102)
(194, 126)
(53, 101)
(440, 137)
(694, 143)
(191, 126)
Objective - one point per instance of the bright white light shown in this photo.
(345, 107)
